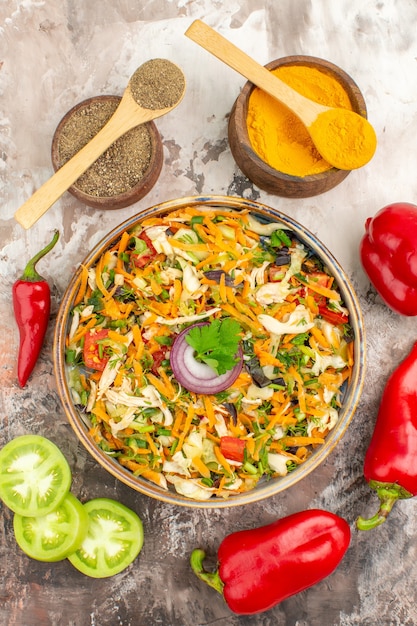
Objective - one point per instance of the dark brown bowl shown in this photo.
(262, 174)
(132, 194)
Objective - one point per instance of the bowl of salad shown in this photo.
(209, 352)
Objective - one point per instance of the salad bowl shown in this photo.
(209, 352)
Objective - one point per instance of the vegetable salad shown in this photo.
(209, 265)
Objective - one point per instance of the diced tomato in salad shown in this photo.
(143, 258)
(158, 357)
(94, 354)
(233, 448)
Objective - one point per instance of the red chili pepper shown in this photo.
(388, 253)
(261, 567)
(390, 465)
(31, 304)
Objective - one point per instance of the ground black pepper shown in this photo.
(157, 84)
(121, 166)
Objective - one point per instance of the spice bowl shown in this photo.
(125, 172)
(100, 404)
(287, 137)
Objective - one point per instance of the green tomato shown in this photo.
(34, 475)
(54, 536)
(114, 539)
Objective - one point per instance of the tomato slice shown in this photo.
(94, 353)
(114, 539)
(142, 259)
(54, 536)
(232, 448)
(34, 475)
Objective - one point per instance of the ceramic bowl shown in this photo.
(256, 169)
(131, 194)
(264, 489)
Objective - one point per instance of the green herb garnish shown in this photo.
(216, 344)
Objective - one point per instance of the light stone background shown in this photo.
(55, 53)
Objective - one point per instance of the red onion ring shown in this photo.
(196, 376)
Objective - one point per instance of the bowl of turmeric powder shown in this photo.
(270, 144)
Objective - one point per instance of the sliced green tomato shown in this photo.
(54, 536)
(34, 475)
(114, 539)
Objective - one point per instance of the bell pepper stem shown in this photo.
(211, 578)
(388, 495)
(30, 274)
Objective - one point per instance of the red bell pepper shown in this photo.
(388, 253)
(390, 465)
(261, 567)
(31, 304)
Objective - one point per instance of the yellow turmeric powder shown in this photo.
(344, 138)
(277, 135)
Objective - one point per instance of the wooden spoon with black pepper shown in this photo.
(156, 88)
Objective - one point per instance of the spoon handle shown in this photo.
(127, 115)
(213, 42)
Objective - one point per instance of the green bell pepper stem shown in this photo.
(388, 495)
(30, 274)
(211, 578)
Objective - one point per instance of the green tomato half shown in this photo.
(54, 536)
(34, 475)
(114, 539)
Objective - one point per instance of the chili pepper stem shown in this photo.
(211, 578)
(30, 274)
(388, 496)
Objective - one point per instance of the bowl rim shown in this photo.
(350, 401)
(132, 195)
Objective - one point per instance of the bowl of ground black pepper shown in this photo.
(125, 172)
(270, 144)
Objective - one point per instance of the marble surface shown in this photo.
(54, 54)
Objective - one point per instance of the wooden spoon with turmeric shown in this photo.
(154, 89)
(344, 138)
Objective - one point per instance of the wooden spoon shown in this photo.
(344, 138)
(127, 115)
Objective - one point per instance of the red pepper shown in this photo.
(261, 567)
(390, 465)
(31, 304)
(388, 253)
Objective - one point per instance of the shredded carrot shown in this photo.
(300, 441)
(208, 405)
(221, 459)
(316, 332)
(201, 467)
(117, 337)
(177, 290)
(300, 388)
(159, 385)
(83, 330)
(222, 288)
(83, 285)
(186, 427)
